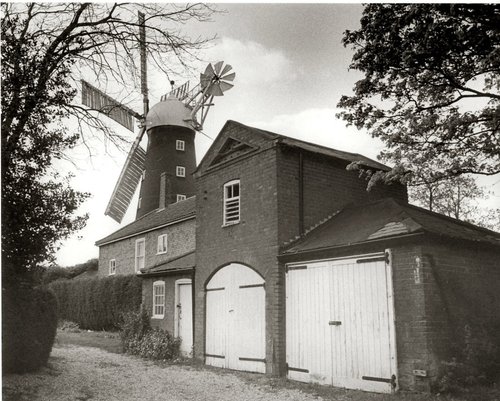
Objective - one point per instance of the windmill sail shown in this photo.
(98, 100)
(127, 182)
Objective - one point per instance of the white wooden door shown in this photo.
(185, 316)
(340, 325)
(235, 319)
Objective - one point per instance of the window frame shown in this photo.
(158, 284)
(158, 251)
(180, 171)
(180, 145)
(112, 267)
(136, 256)
(226, 200)
(181, 197)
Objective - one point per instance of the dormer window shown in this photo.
(180, 171)
(180, 145)
(231, 202)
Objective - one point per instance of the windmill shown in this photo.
(170, 125)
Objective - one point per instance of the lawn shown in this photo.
(110, 342)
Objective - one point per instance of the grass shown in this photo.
(104, 340)
(111, 342)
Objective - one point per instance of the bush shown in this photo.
(138, 338)
(29, 325)
(54, 273)
(70, 327)
(98, 303)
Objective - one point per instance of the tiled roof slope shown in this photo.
(186, 261)
(383, 219)
(311, 147)
(154, 219)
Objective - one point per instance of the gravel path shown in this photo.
(84, 373)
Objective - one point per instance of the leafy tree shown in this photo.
(431, 87)
(45, 49)
(458, 198)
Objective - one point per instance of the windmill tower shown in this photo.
(164, 168)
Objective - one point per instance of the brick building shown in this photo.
(297, 270)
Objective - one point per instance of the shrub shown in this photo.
(66, 325)
(29, 324)
(98, 303)
(138, 338)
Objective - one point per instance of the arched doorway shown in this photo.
(235, 319)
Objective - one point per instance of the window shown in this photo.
(140, 248)
(162, 243)
(139, 203)
(232, 202)
(180, 171)
(143, 176)
(179, 145)
(180, 197)
(112, 267)
(159, 299)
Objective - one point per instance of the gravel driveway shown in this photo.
(85, 373)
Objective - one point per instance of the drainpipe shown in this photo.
(301, 193)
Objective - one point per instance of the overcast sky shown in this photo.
(291, 70)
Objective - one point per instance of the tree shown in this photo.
(45, 49)
(456, 197)
(431, 87)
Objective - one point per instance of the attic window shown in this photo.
(232, 203)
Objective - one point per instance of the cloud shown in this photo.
(320, 126)
(255, 65)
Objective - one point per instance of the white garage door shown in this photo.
(340, 325)
(235, 319)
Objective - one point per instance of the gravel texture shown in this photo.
(85, 373)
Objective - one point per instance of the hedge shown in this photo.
(29, 324)
(98, 303)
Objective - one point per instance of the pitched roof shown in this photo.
(292, 142)
(153, 220)
(385, 219)
(186, 261)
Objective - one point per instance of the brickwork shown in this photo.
(167, 323)
(181, 240)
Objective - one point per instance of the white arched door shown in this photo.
(235, 319)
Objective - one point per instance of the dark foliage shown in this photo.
(29, 323)
(138, 338)
(98, 303)
(54, 273)
(431, 87)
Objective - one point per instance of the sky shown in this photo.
(291, 70)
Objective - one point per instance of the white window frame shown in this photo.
(112, 267)
(181, 197)
(162, 240)
(158, 300)
(138, 257)
(180, 145)
(231, 204)
(139, 202)
(180, 171)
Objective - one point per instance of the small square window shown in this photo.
(179, 145)
(112, 267)
(181, 197)
(180, 171)
(162, 243)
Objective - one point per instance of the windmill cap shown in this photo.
(170, 111)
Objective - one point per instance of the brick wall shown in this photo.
(462, 283)
(181, 240)
(167, 323)
(251, 242)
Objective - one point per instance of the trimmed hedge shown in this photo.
(98, 303)
(29, 324)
